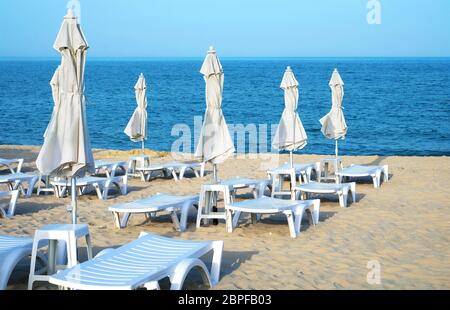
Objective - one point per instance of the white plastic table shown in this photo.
(325, 173)
(135, 162)
(209, 194)
(277, 176)
(55, 233)
(154, 204)
(293, 209)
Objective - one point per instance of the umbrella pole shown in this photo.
(73, 189)
(336, 150)
(143, 147)
(291, 158)
(215, 173)
(215, 197)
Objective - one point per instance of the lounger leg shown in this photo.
(201, 206)
(124, 221)
(386, 173)
(290, 220)
(175, 221)
(143, 178)
(298, 216)
(229, 220)
(343, 196)
(353, 190)
(184, 215)
(182, 269)
(31, 184)
(116, 218)
(216, 262)
(33, 263)
(124, 186)
(197, 175)
(182, 171)
(174, 174)
(316, 211)
(89, 246)
(236, 217)
(375, 180)
(12, 203)
(104, 195)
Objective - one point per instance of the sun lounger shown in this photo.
(17, 180)
(110, 167)
(364, 171)
(142, 263)
(9, 163)
(293, 209)
(301, 171)
(12, 203)
(327, 188)
(101, 185)
(154, 204)
(177, 170)
(12, 250)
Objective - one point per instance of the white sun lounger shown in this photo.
(110, 167)
(154, 204)
(12, 203)
(9, 163)
(17, 180)
(364, 171)
(327, 188)
(12, 250)
(142, 263)
(177, 170)
(293, 209)
(101, 185)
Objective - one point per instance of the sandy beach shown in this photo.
(404, 225)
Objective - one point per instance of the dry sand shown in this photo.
(404, 225)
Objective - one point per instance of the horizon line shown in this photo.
(57, 57)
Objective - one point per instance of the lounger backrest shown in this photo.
(148, 258)
(8, 243)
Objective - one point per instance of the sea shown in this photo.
(392, 106)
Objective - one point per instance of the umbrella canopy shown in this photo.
(290, 134)
(54, 84)
(333, 124)
(137, 126)
(215, 144)
(66, 150)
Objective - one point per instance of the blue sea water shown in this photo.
(393, 106)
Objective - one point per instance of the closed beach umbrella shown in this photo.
(290, 134)
(215, 144)
(333, 124)
(66, 150)
(137, 126)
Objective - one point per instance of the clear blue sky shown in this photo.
(247, 28)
